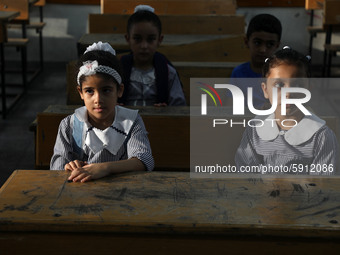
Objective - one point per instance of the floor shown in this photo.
(17, 142)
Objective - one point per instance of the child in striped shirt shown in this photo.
(290, 143)
(101, 137)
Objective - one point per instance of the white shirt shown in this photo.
(309, 144)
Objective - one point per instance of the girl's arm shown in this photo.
(176, 94)
(246, 154)
(99, 170)
(63, 152)
(138, 152)
(326, 157)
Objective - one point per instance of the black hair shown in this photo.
(264, 22)
(287, 56)
(144, 16)
(104, 58)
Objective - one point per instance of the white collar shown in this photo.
(297, 135)
(112, 137)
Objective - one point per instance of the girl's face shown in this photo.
(143, 39)
(100, 98)
(283, 75)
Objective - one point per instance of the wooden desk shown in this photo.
(205, 48)
(175, 7)
(168, 131)
(172, 24)
(5, 17)
(331, 23)
(168, 213)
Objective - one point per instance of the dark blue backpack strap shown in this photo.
(162, 77)
(77, 135)
(127, 62)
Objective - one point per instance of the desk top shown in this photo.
(171, 203)
(119, 43)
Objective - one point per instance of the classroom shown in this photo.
(210, 189)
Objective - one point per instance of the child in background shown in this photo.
(263, 39)
(149, 78)
(101, 138)
(309, 144)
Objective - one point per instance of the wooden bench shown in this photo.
(266, 3)
(172, 24)
(38, 27)
(179, 48)
(171, 6)
(331, 22)
(168, 130)
(311, 5)
(169, 134)
(184, 36)
(5, 17)
(21, 43)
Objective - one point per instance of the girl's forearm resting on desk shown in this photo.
(99, 170)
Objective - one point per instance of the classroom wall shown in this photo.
(67, 23)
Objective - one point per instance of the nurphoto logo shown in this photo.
(238, 99)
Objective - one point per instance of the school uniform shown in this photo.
(244, 71)
(310, 143)
(77, 139)
(159, 84)
(241, 77)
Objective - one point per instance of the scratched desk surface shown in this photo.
(171, 202)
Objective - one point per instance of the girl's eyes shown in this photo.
(279, 84)
(89, 91)
(137, 39)
(105, 91)
(149, 39)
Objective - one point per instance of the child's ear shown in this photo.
(127, 37)
(120, 90)
(80, 92)
(246, 41)
(278, 44)
(264, 89)
(160, 39)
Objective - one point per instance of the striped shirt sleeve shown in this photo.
(63, 151)
(138, 145)
(246, 154)
(326, 151)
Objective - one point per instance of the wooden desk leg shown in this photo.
(326, 53)
(24, 58)
(312, 35)
(3, 88)
(41, 39)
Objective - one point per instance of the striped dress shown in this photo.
(308, 148)
(125, 139)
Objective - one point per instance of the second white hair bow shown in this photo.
(101, 46)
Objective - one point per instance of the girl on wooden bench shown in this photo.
(290, 142)
(101, 138)
(150, 79)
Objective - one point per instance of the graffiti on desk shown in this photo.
(144, 197)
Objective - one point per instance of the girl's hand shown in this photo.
(89, 172)
(73, 165)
